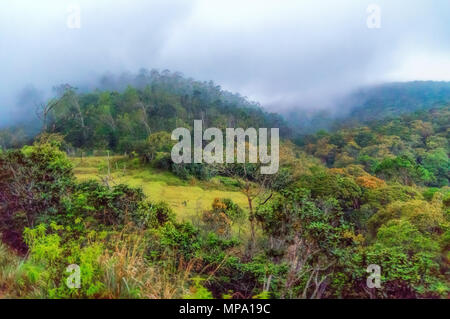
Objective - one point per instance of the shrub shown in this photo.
(34, 181)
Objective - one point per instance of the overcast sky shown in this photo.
(282, 53)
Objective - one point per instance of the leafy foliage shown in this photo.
(370, 194)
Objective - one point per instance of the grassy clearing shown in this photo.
(187, 198)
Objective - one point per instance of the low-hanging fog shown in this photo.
(301, 54)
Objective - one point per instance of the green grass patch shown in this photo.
(187, 198)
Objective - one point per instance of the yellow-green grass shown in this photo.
(187, 198)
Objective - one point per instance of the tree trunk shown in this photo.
(252, 225)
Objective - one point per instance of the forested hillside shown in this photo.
(373, 103)
(119, 116)
(367, 194)
(411, 149)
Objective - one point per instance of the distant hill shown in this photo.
(119, 113)
(410, 148)
(116, 112)
(374, 103)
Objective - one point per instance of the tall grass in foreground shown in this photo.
(127, 274)
(11, 274)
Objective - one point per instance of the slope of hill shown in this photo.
(141, 226)
(374, 103)
(413, 148)
(118, 116)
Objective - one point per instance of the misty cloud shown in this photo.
(284, 54)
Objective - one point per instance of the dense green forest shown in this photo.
(373, 192)
(118, 117)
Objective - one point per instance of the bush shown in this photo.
(34, 182)
(201, 171)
